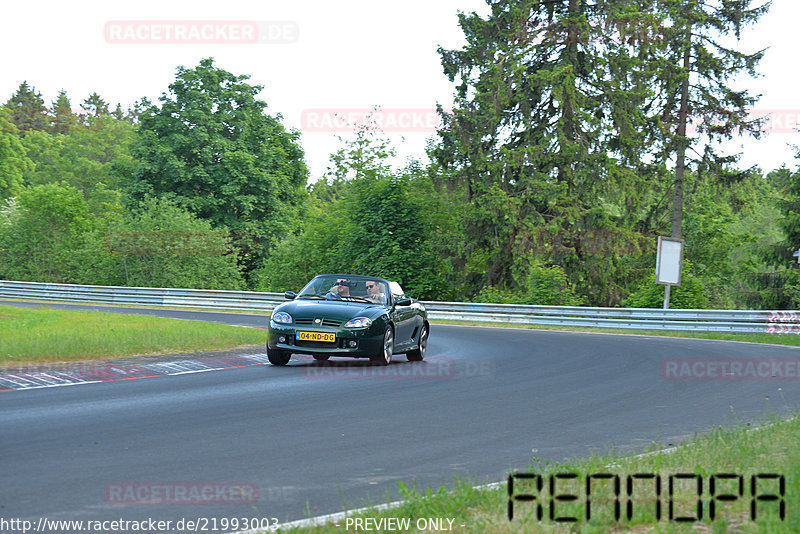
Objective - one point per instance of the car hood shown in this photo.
(331, 309)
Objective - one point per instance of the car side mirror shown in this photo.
(403, 301)
(290, 295)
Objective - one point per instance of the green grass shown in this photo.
(43, 335)
(256, 311)
(774, 339)
(742, 450)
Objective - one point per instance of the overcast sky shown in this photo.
(315, 59)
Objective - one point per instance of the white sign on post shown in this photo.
(668, 261)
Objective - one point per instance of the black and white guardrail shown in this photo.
(735, 321)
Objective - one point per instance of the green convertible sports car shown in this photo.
(348, 315)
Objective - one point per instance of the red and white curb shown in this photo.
(59, 375)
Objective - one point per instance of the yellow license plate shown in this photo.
(328, 337)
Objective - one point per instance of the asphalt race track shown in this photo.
(313, 438)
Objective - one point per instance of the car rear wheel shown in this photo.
(321, 357)
(418, 354)
(385, 356)
(278, 357)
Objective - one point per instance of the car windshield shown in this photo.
(358, 289)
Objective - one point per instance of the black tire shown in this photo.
(278, 357)
(321, 357)
(387, 348)
(418, 354)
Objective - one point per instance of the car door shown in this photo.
(405, 323)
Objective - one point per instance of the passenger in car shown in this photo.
(375, 292)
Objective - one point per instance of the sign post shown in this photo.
(668, 264)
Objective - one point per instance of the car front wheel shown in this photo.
(278, 357)
(418, 354)
(385, 356)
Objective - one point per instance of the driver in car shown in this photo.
(341, 289)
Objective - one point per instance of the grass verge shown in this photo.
(215, 309)
(741, 451)
(45, 335)
(772, 339)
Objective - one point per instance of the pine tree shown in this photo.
(544, 137)
(118, 113)
(61, 116)
(95, 106)
(695, 75)
(27, 108)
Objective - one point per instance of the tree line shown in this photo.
(580, 131)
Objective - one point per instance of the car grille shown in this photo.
(318, 344)
(333, 323)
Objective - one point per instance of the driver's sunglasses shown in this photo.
(372, 286)
(341, 283)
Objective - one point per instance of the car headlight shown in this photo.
(282, 317)
(358, 322)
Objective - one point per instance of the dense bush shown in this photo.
(692, 293)
(162, 245)
(541, 285)
(378, 227)
(42, 232)
(49, 234)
